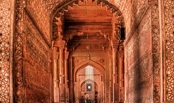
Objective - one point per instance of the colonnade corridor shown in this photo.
(86, 51)
(88, 55)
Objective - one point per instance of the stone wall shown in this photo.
(36, 70)
(138, 52)
(39, 12)
(32, 72)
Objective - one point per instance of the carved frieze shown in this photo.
(156, 49)
(36, 73)
(31, 71)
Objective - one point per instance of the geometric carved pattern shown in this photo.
(5, 27)
(31, 75)
(169, 49)
(36, 47)
(40, 15)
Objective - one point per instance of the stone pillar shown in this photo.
(61, 75)
(55, 75)
(71, 79)
(120, 72)
(66, 76)
(60, 44)
(114, 44)
(113, 74)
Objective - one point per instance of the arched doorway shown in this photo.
(157, 34)
(89, 84)
(90, 33)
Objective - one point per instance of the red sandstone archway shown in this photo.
(104, 33)
(85, 76)
(60, 9)
(98, 66)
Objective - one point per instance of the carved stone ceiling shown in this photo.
(87, 22)
(90, 18)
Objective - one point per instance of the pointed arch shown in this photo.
(63, 6)
(99, 67)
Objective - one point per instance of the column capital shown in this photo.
(59, 43)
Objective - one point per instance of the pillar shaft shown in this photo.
(114, 73)
(66, 76)
(55, 76)
(61, 74)
(120, 72)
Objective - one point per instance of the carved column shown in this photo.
(114, 68)
(55, 76)
(61, 75)
(120, 72)
(60, 43)
(66, 76)
(114, 44)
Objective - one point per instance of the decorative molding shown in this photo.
(18, 52)
(156, 50)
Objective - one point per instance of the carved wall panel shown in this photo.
(169, 49)
(39, 12)
(32, 77)
(36, 45)
(5, 49)
(36, 71)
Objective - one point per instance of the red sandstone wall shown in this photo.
(36, 70)
(138, 52)
(40, 13)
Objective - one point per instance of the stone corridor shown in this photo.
(86, 51)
